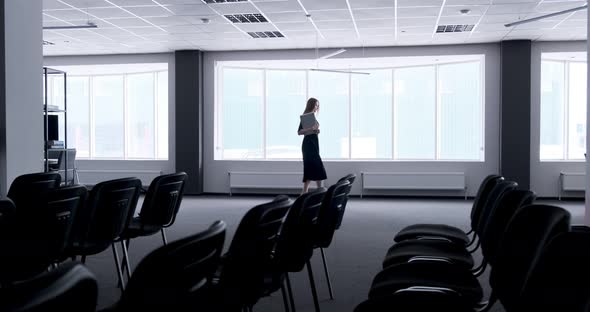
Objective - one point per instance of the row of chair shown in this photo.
(272, 240)
(44, 223)
(431, 266)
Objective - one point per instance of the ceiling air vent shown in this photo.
(223, 1)
(453, 28)
(246, 18)
(266, 34)
(45, 42)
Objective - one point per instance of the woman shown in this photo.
(313, 168)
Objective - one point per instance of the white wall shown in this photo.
(545, 175)
(94, 171)
(215, 171)
(24, 104)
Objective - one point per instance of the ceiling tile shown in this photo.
(307, 26)
(238, 7)
(330, 15)
(287, 17)
(458, 20)
(53, 4)
(311, 5)
(376, 23)
(131, 3)
(416, 21)
(69, 15)
(279, 6)
(359, 4)
(149, 11)
(334, 25)
(361, 14)
(193, 9)
(127, 22)
(417, 12)
(423, 3)
(518, 8)
(113, 12)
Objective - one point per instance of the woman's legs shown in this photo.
(305, 186)
(318, 183)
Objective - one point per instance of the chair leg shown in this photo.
(164, 236)
(124, 263)
(285, 300)
(314, 292)
(126, 259)
(327, 274)
(118, 267)
(290, 291)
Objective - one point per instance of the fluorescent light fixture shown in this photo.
(89, 25)
(547, 15)
(338, 71)
(329, 55)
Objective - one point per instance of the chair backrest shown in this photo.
(507, 205)
(331, 213)
(485, 188)
(349, 177)
(162, 200)
(248, 261)
(108, 211)
(527, 234)
(560, 281)
(28, 188)
(44, 236)
(490, 202)
(295, 242)
(176, 277)
(69, 288)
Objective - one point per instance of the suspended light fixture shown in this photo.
(546, 16)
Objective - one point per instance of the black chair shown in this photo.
(350, 178)
(559, 281)
(27, 188)
(177, 276)
(503, 198)
(449, 232)
(528, 233)
(68, 288)
(248, 271)
(159, 209)
(41, 239)
(107, 214)
(331, 211)
(296, 239)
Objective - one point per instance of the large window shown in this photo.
(563, 110)
(117, 115)
(422, 112)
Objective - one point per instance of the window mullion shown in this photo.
(264, 114)
(125, 121)
(393, 123)
(156, 125)
(566, 109)
(436, 114)
(349, 116)
(91, 121)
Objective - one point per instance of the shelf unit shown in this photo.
(47, 73)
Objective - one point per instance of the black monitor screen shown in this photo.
(52, 128)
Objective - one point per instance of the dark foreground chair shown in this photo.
(28, 187)
(248, 271)
(159, 209)
(331, 211)
(109, 210)
(177, 277)
(68, 288)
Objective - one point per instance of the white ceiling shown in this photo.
(142, 26)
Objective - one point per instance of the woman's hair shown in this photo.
(310, 106)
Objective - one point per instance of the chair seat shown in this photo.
(427, 274)
(438, 230)
(416, 302)
(136, 229)
(405, 250)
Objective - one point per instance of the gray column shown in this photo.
(587, 217)
(189, 118)
(515, 116)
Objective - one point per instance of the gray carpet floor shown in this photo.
(354, 257)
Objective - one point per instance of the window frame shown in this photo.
(218, 112)
(566, 110)
(92, 116)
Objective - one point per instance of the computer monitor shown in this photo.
(52, 128)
